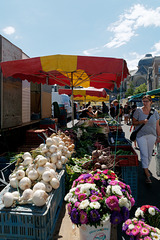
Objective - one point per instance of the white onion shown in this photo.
(68, 154)
(40, 170)
(60, 147)
(54, 157)
(12, 175)
(49, 142)
(27, 161)
(48, 186)
(20, 174)
(59, 154)
(27, 194)
(61, 143)
(53, 148)
(55, 183)
(26, 154)
(33, 174)
(39, 186)
(48, 154)
(14, 182)
(44, 149)
(48, 164)
(47, 176)
(42, 161)
(39, 197)
(16, 195)
(25, 183)
(42, 145)
(63, 159)
(59, 165)
(53, 166)
(7, 199)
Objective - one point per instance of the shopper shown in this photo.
(87, 113)
(112, 110)
(148, 134)
(105, 108)
(118, 110)
(126, 111)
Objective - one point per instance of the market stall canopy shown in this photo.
(86, 94)
(86, 71)
(153, 92)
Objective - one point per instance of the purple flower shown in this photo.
(75, 216)
(85, 176)
(124, 227)
(104, 183)
(94, 216)
(93, 192)
(83, 217)
(125, 213)
(116, 217)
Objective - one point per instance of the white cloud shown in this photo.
(9, 30)
(125, 28)
(133, 59)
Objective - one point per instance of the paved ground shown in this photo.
(147, 194)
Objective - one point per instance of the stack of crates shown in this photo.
(130, 177)
(29, 222)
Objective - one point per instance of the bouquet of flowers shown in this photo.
(149, 214)
(98, 196)
(138, 229)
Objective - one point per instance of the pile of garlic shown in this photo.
(37, 177)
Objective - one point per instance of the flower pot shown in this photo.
(92, 233)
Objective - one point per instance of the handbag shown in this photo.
(134, 133)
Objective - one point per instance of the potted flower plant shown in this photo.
(145, 225)
(98, 199)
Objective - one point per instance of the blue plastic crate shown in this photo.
(130, 177)
(29, 222)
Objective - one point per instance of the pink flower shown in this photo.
(96, 177)
(89, 180)
(82, 197)
(94, 198)
(112, 202)
(135, 231)
(144, 231)
(69, 207)
(121, 184)
(74, 184)
(113, 182)
(81, 181)
(77, 204)
(128, 232)
(128, 221)
(105, 171)
(77, 191)
(132, 201)
(147, 238)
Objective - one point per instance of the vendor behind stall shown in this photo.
(87, 113)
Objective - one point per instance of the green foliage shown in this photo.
(142, 88)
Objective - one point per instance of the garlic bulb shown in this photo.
(39, 197)
(14, 182)
(25, 183)
(59, 154)
(26, 154)
(63, 159)
(39, 186)
(48, 154)
(48, 165)
(33, 174)
(44, 149)
(61, 143)
(53, 166)
(7, 199)
(47, 176)
(27, 194)
(60, 147)
(54, 173)
(20, 174)
(53, 148)
(55, 183)
(41, 145)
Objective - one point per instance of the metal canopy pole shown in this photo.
(72, 99)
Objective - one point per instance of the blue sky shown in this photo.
(122, 29)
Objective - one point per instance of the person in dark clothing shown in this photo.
(112, 110)
(88, 104)
(105, 108)
(87, 113)
(118, 110)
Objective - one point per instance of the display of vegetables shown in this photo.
(35, 174)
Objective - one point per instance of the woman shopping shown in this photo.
(148, 134)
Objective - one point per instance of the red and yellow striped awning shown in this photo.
(98, 72)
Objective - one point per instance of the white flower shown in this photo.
(151, 211)
(85, 190)
(73, 199)
(155, 236)
(84, 204)
(72, 189)
(123, 202)
(68, 197)
(138, 212)
(108, 190)
(158, 230)
(116, 190)
(95, 205)
(106, 217)
(131, 226)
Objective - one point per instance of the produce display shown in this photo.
(35, 174)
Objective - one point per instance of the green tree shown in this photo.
(130, 90)
(142, 88)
